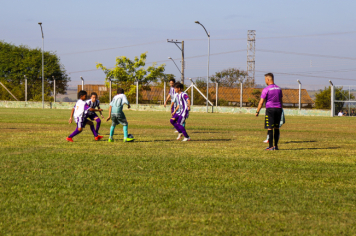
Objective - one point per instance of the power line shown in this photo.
(105, 49)
(307, 54)
(313, 76)
(161, 41)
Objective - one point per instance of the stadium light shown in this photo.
(82, 82)
(331, 83)
(40, 23)
(207, 77)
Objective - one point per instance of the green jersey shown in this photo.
(117, 104)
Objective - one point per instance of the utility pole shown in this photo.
(251, 43)
(182, 50)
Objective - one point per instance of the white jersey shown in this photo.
(117, 104)
(173, 93)
(81, 110)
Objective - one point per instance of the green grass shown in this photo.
(221, 183)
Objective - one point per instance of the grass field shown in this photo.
(221, 183)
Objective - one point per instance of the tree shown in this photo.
(126, 72)
(256, 97)
(17, 61)
(231, 78)
(323, 98)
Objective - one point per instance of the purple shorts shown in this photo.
(180, 119)
(81, 123)
(93, 116)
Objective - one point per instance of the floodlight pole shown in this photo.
(207, 77)
(332, 99)
(54, 89)
(40, 23)
(176, 66)
(25, 88)
(82, 82)
(300, 94)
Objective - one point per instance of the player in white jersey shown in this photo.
(181, 112)
(80, 112)
(93, 102)
(171, 95)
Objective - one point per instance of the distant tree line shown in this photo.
(18, 61)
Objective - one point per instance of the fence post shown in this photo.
(300, 94)
(136, 94)
(164, 92)
(241, 93)
(332, 99)
(54, 89)
(217, 93)
(192, 92)
(110, 89)
(25, 88)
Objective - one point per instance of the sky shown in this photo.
(306, 39)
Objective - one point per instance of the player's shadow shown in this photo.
(310, 141)
(205, 132)
(310, 148)
(212, 140)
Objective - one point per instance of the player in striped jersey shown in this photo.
(171, 95)
(93, 102)
(181, 112)
(80, 112)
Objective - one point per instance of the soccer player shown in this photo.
(80, 112)
(93, 102)
(273, 96)
(117, 115)
(178, 118)
(171, 95)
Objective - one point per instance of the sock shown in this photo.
(270, 138)
(76, 131)
(112, 129)
(182, 129)
(93, 130)
(98, 122)
(276, 137)
(126, 131)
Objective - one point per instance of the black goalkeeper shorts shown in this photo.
(273, 118)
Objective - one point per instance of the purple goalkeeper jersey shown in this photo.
(272, 94)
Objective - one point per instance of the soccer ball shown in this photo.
(130, 136)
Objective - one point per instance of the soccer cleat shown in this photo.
(110, 140)
(97, 138)
(176, 131)
(128, 140)
(266, 141)
(179, 136)
(69, 139)
(186, 139)
(276, 148)
(269, 149)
